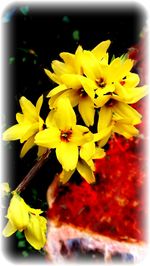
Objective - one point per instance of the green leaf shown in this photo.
(11, 60)
(20, 235)
(24, 10)
(66, 19)
(21, 244)
(25, 253)
(76, 35)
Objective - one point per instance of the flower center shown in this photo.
(100, 82)
(66, 135)
(111, 103)
(82, 93)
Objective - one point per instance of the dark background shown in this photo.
(33, 37)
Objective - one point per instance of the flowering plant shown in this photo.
(91, 102)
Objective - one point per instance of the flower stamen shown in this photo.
(100, 82)
(82, 93)
(66, 135)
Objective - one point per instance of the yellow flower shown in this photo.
(88, 152)
(71, 65)
(83, 97)
(23, 218)
(29, 123)
(73, 62)
(71, 82)
(63, 134)
(118, 117)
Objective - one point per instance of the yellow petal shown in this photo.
(50, 120)
(18, 213)
(58, 89)
(35, 232)
(65, 116)
(60, 68)
(100, 50)
(101, 99)
(104, 140)
(71, 81)
(68, 58)
(9, 229)
(87, 151)
(91, 66)
(28, 109)
(102, 133)
(86, 110)
(81, 135)
(99, 153)
(27, 146)
(32, 130)
(78, 60)
(73, 95)
(85, 171)
(19, 117)
(15, 132)
(131, 95)
(105, 118)
(67, 155)
(65, 176)
(137, 94)
(53, 76)
(41, 151)
(39, 104)
(89, 86)
(127, 111)
(48, 138)
(126, 130)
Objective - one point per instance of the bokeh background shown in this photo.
(33, 37)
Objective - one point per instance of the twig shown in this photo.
(32, 172)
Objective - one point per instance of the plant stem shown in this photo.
(33, 171)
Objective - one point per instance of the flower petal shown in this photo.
(105, 118)
(9, 229)
(126, 111)
(28, 109)
(18, 213)
(85, 171)
(65, 176)
(65, 116)
(99, 153)
(60, 68)
(71, 81)
(91, 65)
(35, 232)
(89, 86)
(53, 76)
(32, 130)
(87, 110)
(87, 151)
(100, 50)
(48, 138)
(19, 117)
(27, 146)
(127, 130)
(58, 89)
(41, 151)
(39, 104)
(15, 132)
(81, 135)
(67, 155)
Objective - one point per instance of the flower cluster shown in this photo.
(91, 102)
(99, 87)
